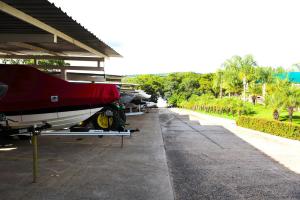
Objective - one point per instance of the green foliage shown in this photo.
(292, 97)
(151, 84)
(176, 87)
(209, 104)
(53, 62)
(239, 75)
(283, 129)
(17, 61)
(218, 83)
(235, 70)
(31, 62)
(283, 95)
(264, 75)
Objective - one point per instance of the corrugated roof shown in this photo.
(51, 15)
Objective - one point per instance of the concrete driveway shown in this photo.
(208, 161)
(175, 156)
(89, 167)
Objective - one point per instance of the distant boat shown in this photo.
(29, 97)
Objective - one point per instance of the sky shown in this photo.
(161, 36)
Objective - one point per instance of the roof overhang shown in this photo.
(38, 29)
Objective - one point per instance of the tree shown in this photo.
(232, 83)
(206, 84)
(264, 75)
(39, 62)
(292, 100)
(277, 97)
(218, 82)
(255, 90)
(151, 84)
(239, 71)
(16, 61)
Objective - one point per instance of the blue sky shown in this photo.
(160, 36)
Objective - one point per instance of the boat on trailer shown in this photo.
(30, 97)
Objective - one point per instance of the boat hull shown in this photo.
(58, 120)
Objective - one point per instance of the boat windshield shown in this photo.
(3, 89)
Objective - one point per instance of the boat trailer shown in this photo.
(33, 132)
(36, 132)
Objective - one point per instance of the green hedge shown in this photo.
(227, 106)
(283, 129)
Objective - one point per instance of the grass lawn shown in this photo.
(261, 111)
(266, 113)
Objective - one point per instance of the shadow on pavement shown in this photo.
(210, 162)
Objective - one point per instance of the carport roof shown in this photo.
(38, 27)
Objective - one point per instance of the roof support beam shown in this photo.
(76, 68)
(29, 19)
(80, 68)
(83, 77)
(34, 47)
(48, 57)
(36, 38)
(10, 52)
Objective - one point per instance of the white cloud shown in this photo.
(185, 35)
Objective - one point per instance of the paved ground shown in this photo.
(210, 162)
(90, 168)
(196, 158)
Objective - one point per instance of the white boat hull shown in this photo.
(58, 120)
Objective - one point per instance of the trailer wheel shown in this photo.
(105, 119)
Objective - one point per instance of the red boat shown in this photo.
(29, 97)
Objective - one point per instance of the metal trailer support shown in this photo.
(34, 155)
(35, 134)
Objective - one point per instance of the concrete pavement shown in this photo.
(198, 157)
(282, 150)
(89, 167)
(208, 161)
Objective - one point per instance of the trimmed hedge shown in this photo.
(283, 129)
(227, 106)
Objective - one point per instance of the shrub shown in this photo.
(283, 129)
(227, 106)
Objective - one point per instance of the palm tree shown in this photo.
(255, 90)
(276, 99)
(218, 82)
(242, 68)
(292, 100)
(232, 83)
(264, 75)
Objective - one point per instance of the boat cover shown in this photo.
(31, 89)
